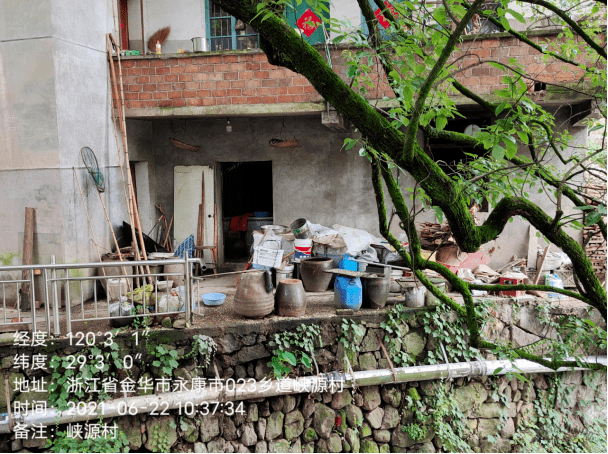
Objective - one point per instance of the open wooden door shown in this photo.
(188, 195)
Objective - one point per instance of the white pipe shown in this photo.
(255, 390)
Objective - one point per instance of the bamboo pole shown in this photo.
(128, 199)
(123, 132)
(143, 40)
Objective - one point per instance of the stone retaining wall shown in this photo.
(366, 419)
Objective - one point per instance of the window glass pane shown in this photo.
(216, 11)
(221, 43)
(247, 42)
(220, 27)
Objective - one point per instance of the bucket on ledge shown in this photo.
(303, 249)
(299, 228)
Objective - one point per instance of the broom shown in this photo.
(158, 36)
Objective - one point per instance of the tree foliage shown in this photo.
(522, 150)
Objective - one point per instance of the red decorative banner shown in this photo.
(308, 22)
(381, 19)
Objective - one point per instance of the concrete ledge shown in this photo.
(233, 110)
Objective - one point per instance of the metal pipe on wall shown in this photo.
(170, 401)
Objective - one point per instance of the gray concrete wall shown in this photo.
(318, 180)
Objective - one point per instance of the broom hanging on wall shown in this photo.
(159, 36)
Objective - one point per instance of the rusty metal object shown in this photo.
(290, 298)
(375, 291)
(313, 273)
(251, 299)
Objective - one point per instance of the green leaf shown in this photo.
(441, 122)
(290, 358)
(498, 152)
(517, 16)
(505, 23)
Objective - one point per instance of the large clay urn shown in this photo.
(251, 299)
(314, 277)
(290, 298)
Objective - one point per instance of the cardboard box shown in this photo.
(511, 281)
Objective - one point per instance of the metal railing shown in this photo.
(135, 293)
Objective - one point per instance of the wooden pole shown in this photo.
(28, 256)
(128, 199)
(143, 39)
(539, 266)
(123, 132)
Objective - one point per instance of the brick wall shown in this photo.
(247, 78)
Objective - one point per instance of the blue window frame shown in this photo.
(227, 33)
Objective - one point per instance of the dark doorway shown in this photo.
(246, 189)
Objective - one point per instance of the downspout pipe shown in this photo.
(255, 390)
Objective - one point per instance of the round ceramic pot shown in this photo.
(314, 277)
(251, 299)
(290, 298)
(375, 291)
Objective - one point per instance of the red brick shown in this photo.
(500, 52)
(269, 99)
(300, 98)
(150, 103)
(179, 86)
(199, 60)
(142, 63)
(489, 43)
(150, 87)
(189, 94)
(130, 96)
(163, 70)
(270, 83)
(177, 69)
(246, 57)
(261, 74)
(195, 102)
(203, 93)
(136, 104)
(206, 68)
(233, 92)
(280, 91)
(134, 72)
(148, 71)
(309, 89)
(246, 75)
(231, 76)
(222, 84)
(265, 91)
(237, 84)
(254, 83)
(249, 92)
(282, 99)
(179, 103)
(164, 103)
(200, 76)
(285, 82)
(174, 94)
(142, 79)
(489, 80)
(252, 66)
(214, 60)
(127, 63)
(157, 79)
(128, 80)
(259, 57)
(518, 50)
(193, 85)
(237, 67)
(184, 61)
(230, 58)
(157, 63)
(192, 68)
(239, 100)
(221, 68)
(163, 87)
(300, 81)
(135, 87)
(185, 77)
(208, 85)
(267, 66)
(171, 78)
(223, 101)
(293, 90)
(160, 95)
(215, 76)
(209, 101)
(219, 93)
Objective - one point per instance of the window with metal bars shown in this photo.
(228, 33)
